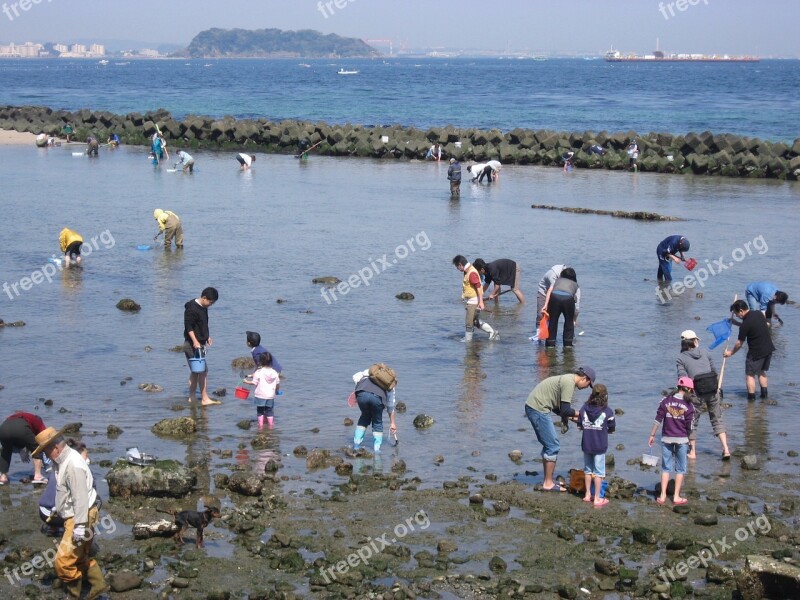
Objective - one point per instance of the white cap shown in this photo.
(689, 335)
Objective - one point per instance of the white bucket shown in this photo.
(649, 460)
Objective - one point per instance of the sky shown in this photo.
(764, 28)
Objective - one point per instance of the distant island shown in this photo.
(275, 43)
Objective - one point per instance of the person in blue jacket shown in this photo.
(254, 343)
(763, 296)
(670, 250)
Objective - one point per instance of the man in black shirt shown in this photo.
(500, 272)
(755, 329)
(197, 337)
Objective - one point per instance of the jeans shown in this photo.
(664, 269)
(545, 432)
(594, 464)
(673, 457)
(371, 411)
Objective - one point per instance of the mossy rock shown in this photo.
(128, 305)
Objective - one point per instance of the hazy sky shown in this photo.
(766, 27)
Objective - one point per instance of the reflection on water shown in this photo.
(756, 428)
(470, 401)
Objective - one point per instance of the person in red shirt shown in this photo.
(18, 434)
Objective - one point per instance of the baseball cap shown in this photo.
(587, 372)
(689, 335)
(685, 382)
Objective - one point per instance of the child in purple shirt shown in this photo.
(676, 413)
(596, 420)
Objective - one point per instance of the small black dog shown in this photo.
(192, 518)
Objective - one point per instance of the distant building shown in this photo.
(77, 49)
(61, 48)
(26, 50)
(97, 50)
(149, 53)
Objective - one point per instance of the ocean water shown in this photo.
(753, 99)
(263, 235)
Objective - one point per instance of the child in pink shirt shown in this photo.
(267, 382)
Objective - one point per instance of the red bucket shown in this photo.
(691, 264)
(242, 393)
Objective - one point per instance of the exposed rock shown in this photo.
(405, 296)
(326, 280)
(72, 428)
(446, 546)
(400, 407)
(246, 484)
(113, 431)
(765, 577)
(497, 565)
(348, 422)
(706, 520)
(344, 468)
(244, 424)
(260, 442)
(243, 363)
(423, 421)
(14, 324)
(177, 427)
(644, 535)
(606, 567)
(515, 455)
(124, 581)
(162, 528)
(751, 462)
(638, 215)
(128, 305)
(317, 458)
(150, 388)
(166, 478)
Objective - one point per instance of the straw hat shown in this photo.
(45, 438)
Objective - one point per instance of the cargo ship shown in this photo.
(659, 57)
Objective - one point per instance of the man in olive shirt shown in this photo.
(554, 395)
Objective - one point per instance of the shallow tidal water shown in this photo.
(263, 235)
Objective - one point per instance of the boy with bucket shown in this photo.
(197, 337)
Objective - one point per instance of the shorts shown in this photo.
(241, 160)
(755, 366)
(73, 248)
(673, 458)
(545, 432)
(594, 464)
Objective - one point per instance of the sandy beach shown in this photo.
(15, 138)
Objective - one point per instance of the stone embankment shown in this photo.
(699, 153)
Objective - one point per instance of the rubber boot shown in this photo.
(488, 329)
(94, 576)
(260, 422)
(376, 444)
(270, 422)
(73, 588)
(467, 335)
(763, 393)
(358, 437)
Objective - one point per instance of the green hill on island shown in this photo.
(271, 43)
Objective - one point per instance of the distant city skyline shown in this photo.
(581, 27)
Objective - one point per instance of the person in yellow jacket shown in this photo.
(472, 295)
(170, 225)
(71, 243)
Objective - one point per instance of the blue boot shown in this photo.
(358, 437)
(376, 444)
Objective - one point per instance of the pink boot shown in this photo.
(270, 422)
(260, 422)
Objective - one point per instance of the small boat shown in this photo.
(346, 72)
(102, 62)
(306, 65)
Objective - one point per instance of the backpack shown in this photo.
(383, 376)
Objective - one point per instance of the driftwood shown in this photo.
(620, 214)
(161, 528)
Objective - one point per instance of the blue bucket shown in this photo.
(197, 364)
(603, 487)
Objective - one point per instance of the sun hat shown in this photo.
(688, 335)
(589, 373)
(45, 438)
(685, 382)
